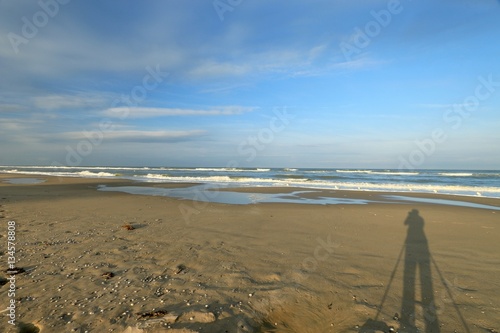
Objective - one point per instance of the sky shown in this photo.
(324, 83)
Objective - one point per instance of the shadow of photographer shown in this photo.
(417, 271)
(417, 258)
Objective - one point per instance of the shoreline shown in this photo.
(471, 183)
(318, 192)
(242, 268)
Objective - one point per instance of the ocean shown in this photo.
(484, 183)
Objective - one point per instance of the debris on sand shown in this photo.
(151, 314)
(128, 227)
(15, 270)
(146, 319)
(180, 268)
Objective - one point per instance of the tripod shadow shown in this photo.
(417, 256)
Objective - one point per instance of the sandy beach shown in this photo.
(114, 262)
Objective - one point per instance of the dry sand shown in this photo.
(241, 268)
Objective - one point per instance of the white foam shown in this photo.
(84, 174)
(214, 169)
(95, 174)
(395, 173)
(319, 184)
(228, 169)
(353, 171)
(184, 179)
(152, 176)
(378, 172)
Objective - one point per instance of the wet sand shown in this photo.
(204, 267)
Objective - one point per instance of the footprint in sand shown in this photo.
(28, 328)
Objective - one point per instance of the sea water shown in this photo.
(455, 182)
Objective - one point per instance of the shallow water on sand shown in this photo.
(24, 181)
(209, 193)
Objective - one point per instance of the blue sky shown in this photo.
(341, 84)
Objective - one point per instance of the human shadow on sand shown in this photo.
(417, 271)
(417, 257)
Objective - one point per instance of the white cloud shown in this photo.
(19, 131)
(53, 102)
(138, 136)
(12, 108)
(145, 112)
(285, 60)
(11, 125)
(215, 69)
(318, 51)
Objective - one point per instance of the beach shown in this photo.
(103, 261)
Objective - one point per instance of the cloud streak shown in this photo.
(137, 136)
(149, 112)
(54, 102)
